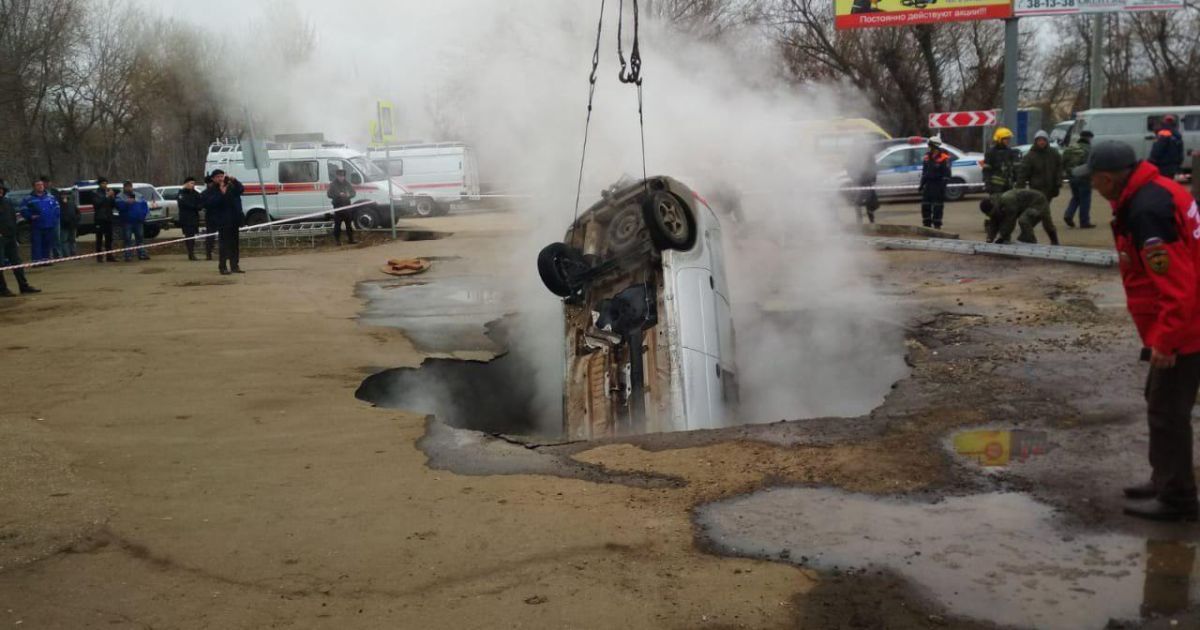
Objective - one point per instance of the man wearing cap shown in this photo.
(223, 210)
(10, 254)
(1156, 227)
(341, 193)
(1167, 151)
(1075, 156)
(189, 215)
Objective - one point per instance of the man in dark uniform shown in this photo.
(1156, 227)
(1167, 151)
(68, 221)
(935, 175)
(223, 206)
(341, 193)
(190, 206)
(863, 173)
(105, 208)
(9, 252)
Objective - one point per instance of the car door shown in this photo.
(900, 167)
(300, 187)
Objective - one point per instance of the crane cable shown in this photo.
(630, 72)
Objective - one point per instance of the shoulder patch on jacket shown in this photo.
(1154, 251)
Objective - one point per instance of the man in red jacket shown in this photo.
(1156, 226)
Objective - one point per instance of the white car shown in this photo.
(649, 338)
(899, 170)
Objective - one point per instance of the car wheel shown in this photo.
(152, 231)
(442, 210)
(625, 228)
(367, 219)
(670, 221)
(257, 216)
(559, 266)
(426, 207)
(957, 189)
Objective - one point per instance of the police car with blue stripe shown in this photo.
(899, 170)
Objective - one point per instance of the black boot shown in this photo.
(25, 288)
(4, 292)
(1069, 221)
(1053, 237)
(1143, 491)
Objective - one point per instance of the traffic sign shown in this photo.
(983, 118)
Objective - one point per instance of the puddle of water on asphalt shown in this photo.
(996, 557)
(1000, 448)
(445, 315)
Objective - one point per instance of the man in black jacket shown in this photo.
(341, 192)
(223, 206)
(1167, 151)
(9, 253)
(105, 206)
(68, 221)
(190, 206)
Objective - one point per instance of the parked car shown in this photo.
(1136, 127)
(649, 338)
(899, 165)
(84, 195)
(170, 201)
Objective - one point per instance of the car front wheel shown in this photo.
(957, 189)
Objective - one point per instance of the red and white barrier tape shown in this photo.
(256, 227)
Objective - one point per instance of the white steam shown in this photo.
(511, 79)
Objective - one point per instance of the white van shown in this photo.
(296, 181)
(1136, 127)
(439, 173)
(649, 331)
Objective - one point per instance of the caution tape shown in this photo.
(123, 250)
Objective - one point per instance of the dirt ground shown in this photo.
(180, 449)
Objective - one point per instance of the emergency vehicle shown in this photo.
(295, 181)
(439, 173)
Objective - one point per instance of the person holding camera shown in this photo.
(223, 210)
(341, 192)
(105, 207)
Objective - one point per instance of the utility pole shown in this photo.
(1012, 81)
(1096, 91)
(262, 183)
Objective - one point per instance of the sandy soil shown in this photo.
(180, 449)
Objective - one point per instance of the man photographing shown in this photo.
(1156, 227)
(223, 210)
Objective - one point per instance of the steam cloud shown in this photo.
(510, 79)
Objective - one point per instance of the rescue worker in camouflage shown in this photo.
(935, 175)
(999, 173)
(1075, 156)
(1042, 167)
(1025, 208)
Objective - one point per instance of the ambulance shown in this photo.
(438, 173)
(295, 181)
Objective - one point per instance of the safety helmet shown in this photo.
(1169, 119)
(1001, 133)
(935, 141)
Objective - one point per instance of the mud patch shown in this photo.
(999, 557)
(214, 282)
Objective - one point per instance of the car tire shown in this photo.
(558, 265)
(625, 229)
(367, 219)
(442, 210)
(152, 231)
(258, 216)
(671, 223)
(956, 190)
(425, 207)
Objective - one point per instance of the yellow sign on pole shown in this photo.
(383, 127)
(875, 13)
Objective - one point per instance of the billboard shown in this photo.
(1023, 8)
(874, 13)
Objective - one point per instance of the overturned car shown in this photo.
(649, 339)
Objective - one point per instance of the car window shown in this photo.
(1191, 122)
(333, 166)
(148, 193)
(894, 159)
(87, 197)
(299, 172)
(170, 194)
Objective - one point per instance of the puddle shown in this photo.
(997, 557)
(497, 396)
(443, 315)
(1000, 448)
